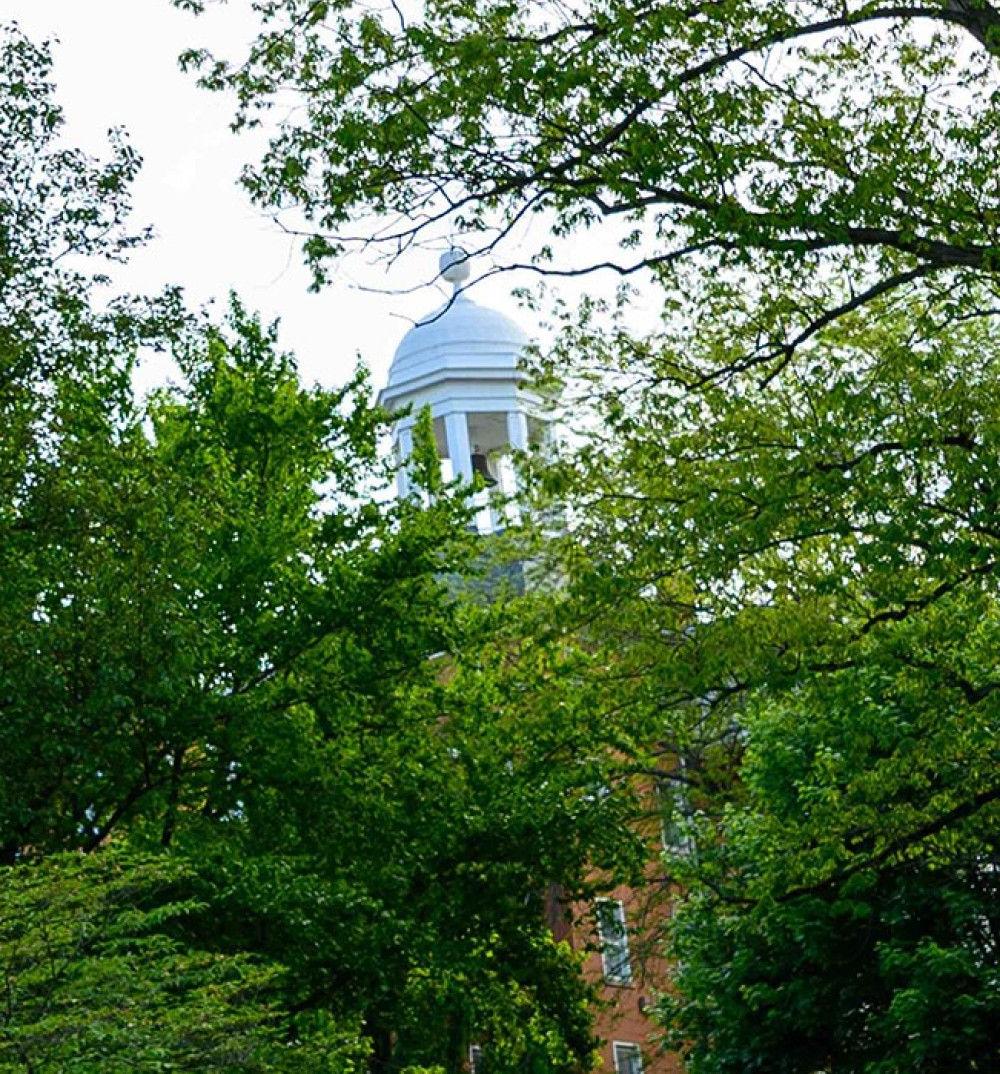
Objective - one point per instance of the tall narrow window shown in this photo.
(628, 1058)
(675, 814)
(475, 1059)
(613, 936)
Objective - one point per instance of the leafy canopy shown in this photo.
(782, 551)
(275, 790)
(110, 963)
(796, 584)
(839, 151)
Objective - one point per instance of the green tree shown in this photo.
(66, 354)
(848, 922)
(110, 963)
(261, 747)
(838, 151)
(796, 583)
(782, 554)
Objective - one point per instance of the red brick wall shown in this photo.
(624, 1014)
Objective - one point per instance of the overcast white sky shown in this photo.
(116, 64)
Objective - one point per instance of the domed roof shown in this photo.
(460, 340)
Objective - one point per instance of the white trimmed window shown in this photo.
(475, 1058)
(613, 936)
(675, 815)
(628, 1058)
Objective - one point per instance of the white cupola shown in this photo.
(462, 361)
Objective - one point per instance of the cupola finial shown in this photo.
(454, 266)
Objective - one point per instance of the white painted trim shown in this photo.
(517, 429)
(456, 426)
(614, 979)
(616, 1044)
(404, 441)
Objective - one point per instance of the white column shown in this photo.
(517, 429)
(459, 449)
(517, 437)
(404, 446)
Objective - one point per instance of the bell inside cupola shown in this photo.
(481, 466)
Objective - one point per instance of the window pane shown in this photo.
(628, 1059)
(675, 812)
(612, 933)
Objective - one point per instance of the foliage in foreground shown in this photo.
(821, 153)
(849, 922)
(783, 551)
(797, 584)
(305, 837)
(110, 962)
